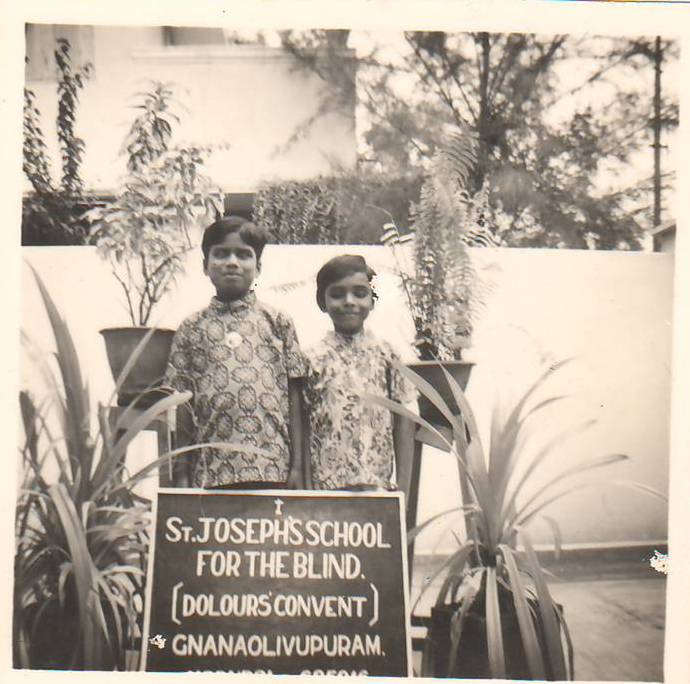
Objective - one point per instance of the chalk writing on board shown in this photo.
(293, 584)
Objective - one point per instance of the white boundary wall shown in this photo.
(609, 310)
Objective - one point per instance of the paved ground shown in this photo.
(617, 628)
(615, 613)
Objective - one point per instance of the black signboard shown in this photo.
(278, 582)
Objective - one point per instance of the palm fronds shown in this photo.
(81, 530)
(502, 501)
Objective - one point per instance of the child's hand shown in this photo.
(295, 480)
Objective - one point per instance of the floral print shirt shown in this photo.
(236, 358)
(351, 439)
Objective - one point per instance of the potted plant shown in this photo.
(81, 530)
(146, 231)
(441, 282)
(494, 615)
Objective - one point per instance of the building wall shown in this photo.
(609, 311)
(666, 242)
(249, 97)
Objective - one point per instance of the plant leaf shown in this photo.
(454, 563)
(76, 394)
(415, 531)
(537, 460)
(494, 632)
(81, 565)
(547, 610)
(428, 391)
(591, 464)
(530, 642)
(401, 410)
(131, 361)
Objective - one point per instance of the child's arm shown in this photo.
(296, 473)
(306, 454)
(184, 436)
(295, 364)
(178, 378)
(400, 390)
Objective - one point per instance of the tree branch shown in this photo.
(125, 287)
(445, 96)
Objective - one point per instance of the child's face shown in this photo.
(231, 265)
(348, 303)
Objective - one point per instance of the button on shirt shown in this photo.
(236, 358)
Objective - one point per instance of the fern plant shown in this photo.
(444, 274)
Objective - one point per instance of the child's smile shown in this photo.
(348, 302)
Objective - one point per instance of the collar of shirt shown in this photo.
(235, 305)
(359, 339)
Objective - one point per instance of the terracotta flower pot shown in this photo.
(146, 375)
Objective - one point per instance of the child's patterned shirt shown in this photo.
(350, 438)
(236, 358)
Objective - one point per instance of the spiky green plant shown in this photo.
(81, 529)
(496, 567)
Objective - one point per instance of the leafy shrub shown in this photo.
(53, 215)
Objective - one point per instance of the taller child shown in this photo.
(241, 360)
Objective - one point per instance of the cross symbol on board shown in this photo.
(279, 506)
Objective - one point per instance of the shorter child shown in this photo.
(353, 443)
(242, 363)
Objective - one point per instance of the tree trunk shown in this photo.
(483, 123)
(658, 56)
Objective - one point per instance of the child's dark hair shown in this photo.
(255, 236)
(338, 268)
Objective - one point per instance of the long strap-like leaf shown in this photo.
(453, 564)
(76, 394)
(537, 460)
(524, 513)
(113, 457)
(131, 361)
(528, 634)
(457, 622)
(415, 531)
(132, 480)
(476, 472)
(81, 563)
(494, 631)
(547, 610)
(512, 449)
(403, 411)
(429, 392)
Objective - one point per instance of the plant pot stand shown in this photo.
(163, 426)
(433, 373)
